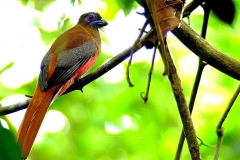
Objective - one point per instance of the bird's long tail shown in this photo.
(33, 118)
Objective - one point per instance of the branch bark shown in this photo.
(183, 109)
(206, 52)
(185, 34)
(13, 108)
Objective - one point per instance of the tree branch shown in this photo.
(206, 52)
(80, 83)
(185, 34)
(183, 109)
(13, 108)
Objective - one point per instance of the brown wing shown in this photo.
(68, 63)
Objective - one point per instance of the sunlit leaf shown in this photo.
(151, 131)
(9, 150)
(112, 9)
(6, 67)
(61, 21)
(126, 5)
(115, 5)
(73, 2)
(41, 5)
(24, 2)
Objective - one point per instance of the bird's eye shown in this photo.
(90, 18)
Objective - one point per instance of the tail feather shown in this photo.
(63, 88)
(33, 118)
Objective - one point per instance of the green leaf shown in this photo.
(41, 5)
(9, 65)
(9, 150)
(24, 2)
(112, 9)
(126, 5)
(74, 2)
(114, 6)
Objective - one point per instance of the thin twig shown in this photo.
(14, 108)
(220, 130)
(134, 48)
(207, 10)
(233, 99)
(145, 97)
(202, 143)
(191, 6)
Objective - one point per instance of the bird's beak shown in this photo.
(100, 23)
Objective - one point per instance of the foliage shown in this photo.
(38, 4)
(9, 150)
(111, 121)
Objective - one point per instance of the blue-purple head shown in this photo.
(93, 20)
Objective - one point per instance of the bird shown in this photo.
(71, 55)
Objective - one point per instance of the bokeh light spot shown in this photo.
(54, 121)
(112, 129)
(115, 75)
(127, 121)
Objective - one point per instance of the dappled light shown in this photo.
(109, 120)
(54, 122)
(116, 75)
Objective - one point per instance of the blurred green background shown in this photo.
(110, 121)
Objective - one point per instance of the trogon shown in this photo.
(72, 54)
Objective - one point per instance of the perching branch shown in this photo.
(186, 35)
(78, 85)
(13, 108)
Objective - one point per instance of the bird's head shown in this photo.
(93, 20)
